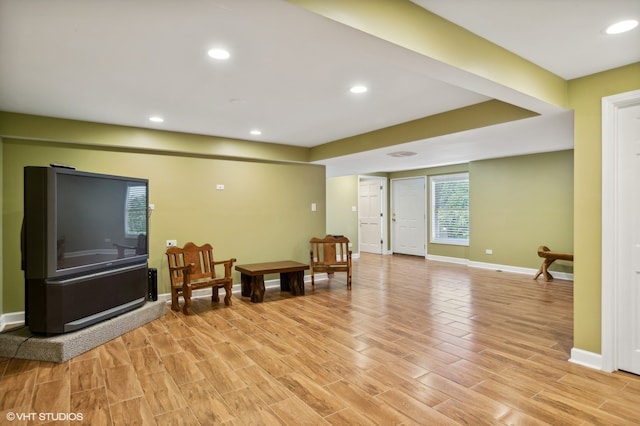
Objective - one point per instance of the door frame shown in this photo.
(611, 232)
(383, 210)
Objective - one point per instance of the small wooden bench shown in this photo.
(550, 257)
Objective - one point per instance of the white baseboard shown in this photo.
(586, 359)
(12, 318)
(236, 289)
(496, 267)
(457, 260)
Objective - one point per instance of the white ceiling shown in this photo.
(121, 61)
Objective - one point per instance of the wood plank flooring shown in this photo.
(415, 342)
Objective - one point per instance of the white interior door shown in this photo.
(370, 216)
(408, 215)
(628, 311)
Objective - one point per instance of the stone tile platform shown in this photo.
(20, 343)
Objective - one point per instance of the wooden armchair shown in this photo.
(330, 254)
(192, 267)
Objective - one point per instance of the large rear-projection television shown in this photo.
(84, 247)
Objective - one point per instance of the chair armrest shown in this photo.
(228, 264)
(222, 262)
(186, 271)
(186, 268)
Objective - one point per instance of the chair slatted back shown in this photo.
(330, 254)
(330, 250)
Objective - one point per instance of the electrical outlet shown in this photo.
(220, 187)
(172, 243)
(488, 251)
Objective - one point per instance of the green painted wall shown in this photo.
(519, 203)
(585, 97)
(342, 195)
(1, 230)
(263, 214)
(516, 204)
(127, 138)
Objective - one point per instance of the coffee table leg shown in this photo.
(295, 282)
(285, 284)
(257, 288)
(245, 285)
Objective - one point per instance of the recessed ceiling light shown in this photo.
(256, 132)
(358, 89)
(219, 53)
(621, 27)
(156, 119)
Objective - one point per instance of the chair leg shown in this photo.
(174, 300)
(545, 269)
(539, 273)
(214, 295)
(186, 293)
(228, 291)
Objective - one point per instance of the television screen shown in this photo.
(99, 219)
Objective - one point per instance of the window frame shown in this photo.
(433, 180)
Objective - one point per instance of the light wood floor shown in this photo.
(414, 342)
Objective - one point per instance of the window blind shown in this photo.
(136, 211)
(450, 209)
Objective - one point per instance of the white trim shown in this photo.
(496, 267)
(611, 212)
(12, 318)
(15, 318)
(586, 359)
(458, 260)
(507, 268)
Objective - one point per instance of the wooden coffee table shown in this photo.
(252, 277)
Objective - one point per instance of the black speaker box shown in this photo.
(153, 284)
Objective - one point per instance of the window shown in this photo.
(450, 209)
(136, 211)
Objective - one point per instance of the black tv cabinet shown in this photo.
(61, 305)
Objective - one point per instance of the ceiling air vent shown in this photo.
(402, 154)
